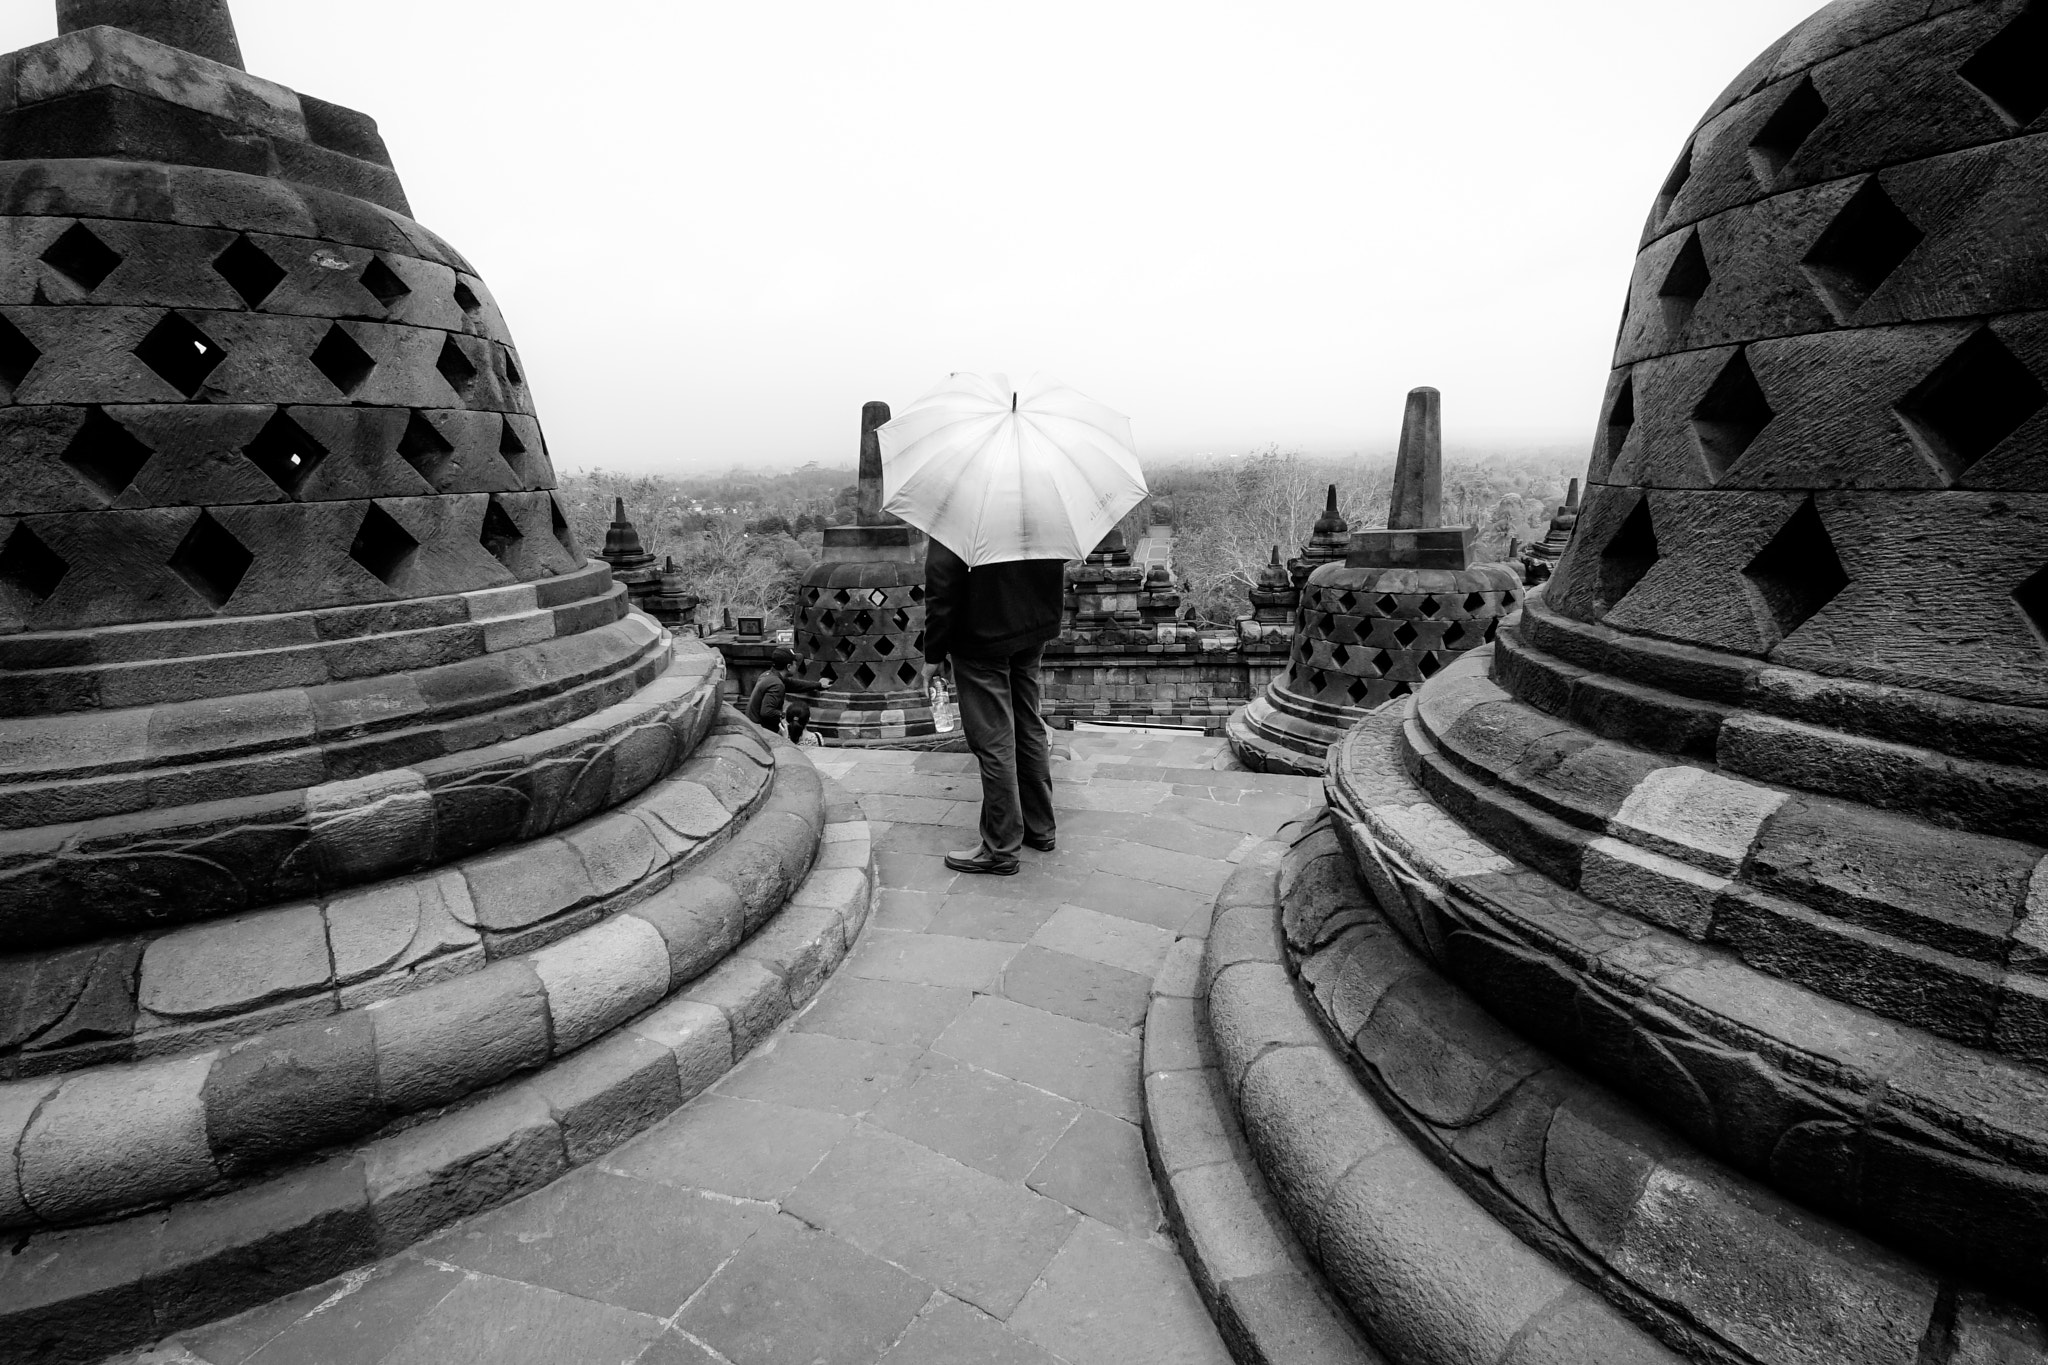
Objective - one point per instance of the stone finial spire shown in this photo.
(1418, 500)
(202, 27)
(868, 511)
(1571, 497)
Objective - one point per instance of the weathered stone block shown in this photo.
(426, 1177)
(600, 977)
(438, 1044)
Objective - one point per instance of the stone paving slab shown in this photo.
(936, 1163)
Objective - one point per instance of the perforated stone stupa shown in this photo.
(1686, 946)
(1401, 604)
(351, 826)
(860, 619)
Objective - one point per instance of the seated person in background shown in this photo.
(764, 703)
(797, 716)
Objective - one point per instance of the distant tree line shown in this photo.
(745, 539)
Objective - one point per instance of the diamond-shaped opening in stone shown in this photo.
(423, 447)
(455, 367)
(345, 364)
(864, 622)
(1687, 279)
(1492, 629)
(845, 646)
(211, 561)
(500, 533)
(1339, 655)
(827, 676)
(81, 257)
(105, 454)
(1386, 604)
(559, 524)
(1681, 172)
(828, 618)
(917, 593)
(285, 452)
(812, 595)
(1474, 601)
(842, 597)
(1860, 249)
(902, 619)
(180, 353)
(1317, 679)
(1381, 662)
(1621, 418)
(1973, 400)
(1399, 689)
(1346, 601)
(509, 443)
(877, 596)
(1430, 664)
(1430, 605)
(383, 282)
(1786, 130)
(466, 299)
(907, 671)
(2012, 69)
(918, 643)
(884, 646)
(1797, 573)
(1304, 650)
(248, 270)
(2031, 597)
(512, 375)
(1404, 634)
(1629, 554)
(30, 568)
(1731, 415)
(18, 355)
(382, 546)
(864, 675)
(816, 645)
(1357, 691)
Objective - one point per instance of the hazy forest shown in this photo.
(745, 539)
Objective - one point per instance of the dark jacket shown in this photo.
(764, 703)
(990, 612)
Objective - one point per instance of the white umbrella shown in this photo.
(995, 472)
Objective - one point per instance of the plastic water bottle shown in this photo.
(944, 717)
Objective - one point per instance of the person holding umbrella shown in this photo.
(1009, 483)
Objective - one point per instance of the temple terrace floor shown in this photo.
(937, 1163)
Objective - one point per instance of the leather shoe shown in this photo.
(1044, 845)
(981, 860)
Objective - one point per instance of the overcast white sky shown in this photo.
(717, 229)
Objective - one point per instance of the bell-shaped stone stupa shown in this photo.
(860, 619)
(1684, 952)
(1402, 604)
(350, 824)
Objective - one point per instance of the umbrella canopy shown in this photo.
(996, 472)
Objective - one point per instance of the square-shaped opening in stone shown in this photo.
(29, 568)
(1971, 402)
(345, 363)
(382, 546)
(211, 561)
(248, 270)
(284, 452)
(105, 455)
(180, 354)
(81, 257)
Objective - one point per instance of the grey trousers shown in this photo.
(999, 712)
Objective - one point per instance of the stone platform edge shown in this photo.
(1261, 1287)
(78, 1295)
(1423, 1268)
